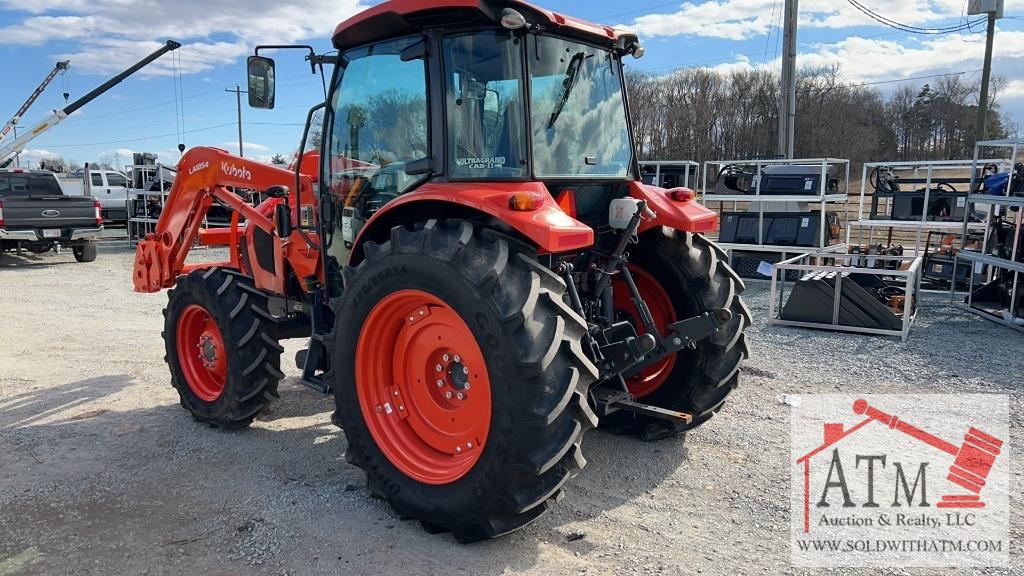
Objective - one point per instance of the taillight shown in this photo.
(99, 212)
(525, 201)
(682, 194)
(1, 213)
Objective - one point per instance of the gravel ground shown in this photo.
(101, 471)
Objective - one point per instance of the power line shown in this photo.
(749, 55)
(141, 139)
(638, 10)
(768, 38)
(909, 28)
(894, 80)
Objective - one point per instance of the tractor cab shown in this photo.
(443, 97)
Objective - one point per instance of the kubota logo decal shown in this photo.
(198, 167)
(235, 171)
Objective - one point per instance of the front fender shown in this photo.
(688, 216)
(547, 226)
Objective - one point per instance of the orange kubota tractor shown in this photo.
(479, 269)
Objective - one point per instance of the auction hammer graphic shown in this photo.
(973, 460)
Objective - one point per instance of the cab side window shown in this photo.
(117, 180)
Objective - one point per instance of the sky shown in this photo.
(183, 98)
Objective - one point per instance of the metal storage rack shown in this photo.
(816, 263)
(823, 199)
(920, 227)
(142, 218)
(686, 165)
(989, 264)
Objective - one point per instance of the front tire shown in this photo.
(225, 361)
(489, 462)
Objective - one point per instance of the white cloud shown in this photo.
(32, 156)
(869, 59)
(873, 59)
(741, 19)
(41, 29)
(248, 146)
(213, 33)
(1014, 89)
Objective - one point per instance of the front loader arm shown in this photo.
(204, 176)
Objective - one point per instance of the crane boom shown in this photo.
(58, 68)
(57, 116)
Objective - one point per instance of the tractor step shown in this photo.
(312, 361)
(609, 401)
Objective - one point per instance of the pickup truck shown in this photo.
(37, 216)
(107, 186)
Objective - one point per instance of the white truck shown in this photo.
(110, 187)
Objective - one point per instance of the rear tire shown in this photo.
(85, 252)
(223, 308)
(534, 370)
(695, 275)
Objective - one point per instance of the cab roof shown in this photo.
(396, 18)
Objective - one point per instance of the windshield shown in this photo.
(26, 184)
(578, 114)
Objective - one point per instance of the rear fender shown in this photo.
(688, 215)
(547, 227)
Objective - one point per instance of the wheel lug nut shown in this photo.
(438, 368)
(469, 445)
(466, 386)
(446, 357)
(396, 392)
(457, 359)
(458, 449)
(465, 370)
(440, 383)
(459, 396)
(448, 394)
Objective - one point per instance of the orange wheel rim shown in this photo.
(423, 387)
(651, 378)
(201, 352)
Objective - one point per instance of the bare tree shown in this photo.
(702, 114)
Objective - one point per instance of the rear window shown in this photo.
(25, 184)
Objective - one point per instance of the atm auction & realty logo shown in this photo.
(900, 480)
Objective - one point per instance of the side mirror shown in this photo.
(261, 82)
(283, 221)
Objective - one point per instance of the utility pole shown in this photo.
(787, 104)
(238, 97)
(993, 9)
(986, 73)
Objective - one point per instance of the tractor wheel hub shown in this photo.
(208, 349)
(458, 375)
